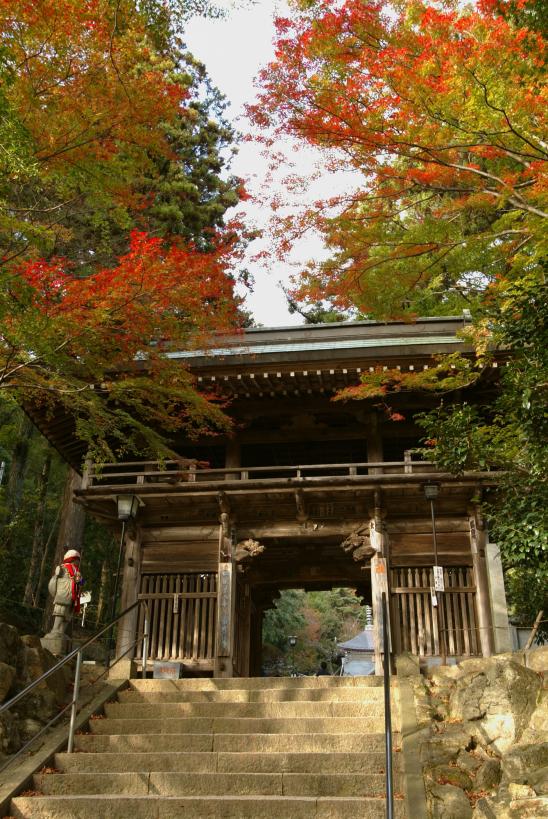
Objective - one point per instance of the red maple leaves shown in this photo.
(158, 294)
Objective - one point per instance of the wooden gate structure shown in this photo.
(306, 493)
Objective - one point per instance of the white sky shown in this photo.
(234, 50)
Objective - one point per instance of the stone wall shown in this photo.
(22, 660)
(485, 737)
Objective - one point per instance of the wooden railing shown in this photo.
(140, 473)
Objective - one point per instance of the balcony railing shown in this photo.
(140, 473)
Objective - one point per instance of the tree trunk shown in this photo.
(44, 562)
(16, 475)
(12, 569)
(104, 589)
(73, 518)
(71, 529)
(38, 533)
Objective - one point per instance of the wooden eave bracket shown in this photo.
(358, 543)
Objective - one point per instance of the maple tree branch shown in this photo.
(430, 266)
(111, 52)
(452, 123)
(9, 358)
(40, 92)
(35, 362)
(33, 209)
(27, 385)
(502, 111)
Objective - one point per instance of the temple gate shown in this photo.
(307, 493)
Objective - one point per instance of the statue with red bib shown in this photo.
(65, 587)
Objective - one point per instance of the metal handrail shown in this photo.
(387, 711)
(73, 704)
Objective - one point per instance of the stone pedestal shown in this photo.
(57, 643)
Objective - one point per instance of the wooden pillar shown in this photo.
(478, 543)
(377, 529)
(131, 575)
(374, 442)
(232, 457)
(245, 625)
(226, 599)
(380, 575)
(379, 585)
(256, 640)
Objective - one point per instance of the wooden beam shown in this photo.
(173, 551)
(311, 530)
(427, 559)
(424, 526)
(181, 567)
(305, 574)
(412, 543)
(179, 595)
(302, 516)
(180, 534)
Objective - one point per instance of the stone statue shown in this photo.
(65, 587)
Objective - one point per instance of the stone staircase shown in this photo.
(228, 748)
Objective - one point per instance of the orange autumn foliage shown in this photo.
(441, 110)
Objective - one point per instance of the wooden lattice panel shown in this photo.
(417, 623)
(182, 630)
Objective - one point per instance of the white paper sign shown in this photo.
(433, 596)
(85, 600)
(438, 578)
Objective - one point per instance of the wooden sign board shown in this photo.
(439, 584)
(225, 610)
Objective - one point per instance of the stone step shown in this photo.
(187, 783)
(338, 694)
(268, 748)
(235, 725)
(255, 683)
(361, 742)
(221, 807)
(227, 710)
(226, 762)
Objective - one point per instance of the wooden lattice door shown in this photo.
(417, 623)
(183, 620)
